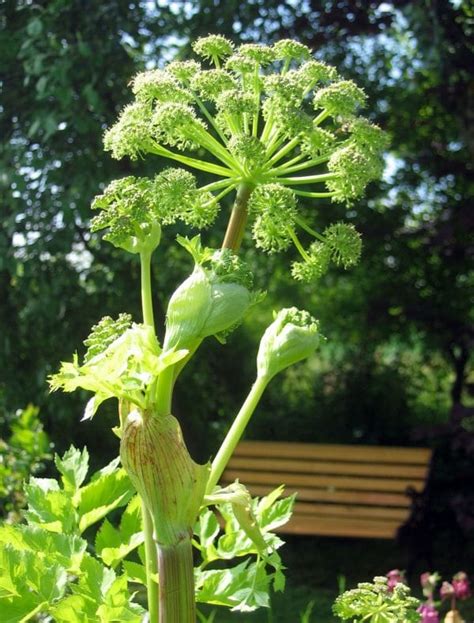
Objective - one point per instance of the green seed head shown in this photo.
(266, 117)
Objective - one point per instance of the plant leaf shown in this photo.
(49, 507)
(109, 489)
(66, 550)
(73, 466)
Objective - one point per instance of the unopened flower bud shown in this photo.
(210, 302)
(170, 483)
(292, 336)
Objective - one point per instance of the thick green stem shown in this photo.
(238, 219)
(151, 560)
(235, 432)
(177, 602)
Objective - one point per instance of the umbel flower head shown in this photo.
(270, 119)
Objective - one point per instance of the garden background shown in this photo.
(397, 364)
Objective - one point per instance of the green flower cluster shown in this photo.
(271, 119)
(132, 209)
(339, 243)
(375, 603)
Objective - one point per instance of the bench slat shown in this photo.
(350, 497)
(344, 510)
(327, 467)
(300, 524)
(335, 452)
(325, 482)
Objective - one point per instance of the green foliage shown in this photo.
(126, 369)
(375, 603)
(248, 526)
(114, 544)
(23, 453)
(46, 567)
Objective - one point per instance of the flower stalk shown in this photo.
(238, 219)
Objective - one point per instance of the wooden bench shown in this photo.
(352, 491)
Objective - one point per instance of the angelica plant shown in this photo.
(272, 125)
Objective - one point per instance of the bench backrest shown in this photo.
(341, 490)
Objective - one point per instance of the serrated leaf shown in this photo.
(219, 585)
(20, 609)
(243, 588)
(49, 507)
(73, 609)
(117, 605)
(135, 572)
(207, 529)
(107, 536)
(110, 489)
(73, 467)
(66, 550)
(29, 583)
(268, 500)
(113, 545)
(11, 572)
(95, 580)
(277, 514)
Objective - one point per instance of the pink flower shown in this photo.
(395, 576)
(461, 587)
(446, 591)
(429, 614)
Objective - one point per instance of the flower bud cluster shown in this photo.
(127, 211)
(274, 207)
(378, 601)
(340, 243)
(178, 197)
(106, 331)
(132, 209)
(341, 98)
(213, 47)
(158, 86)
